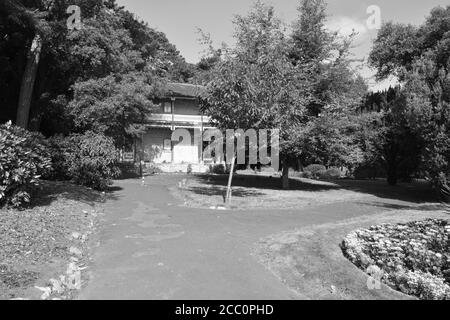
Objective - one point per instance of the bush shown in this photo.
(307, 175)
(296, 174)
(152, 169)
(313, 171)
(332, 173)
(94, 162)
(24, 157)
(87, 159)
(61, 149)
(322, 174)
(129, 170)
(217, 169)
(221, 169)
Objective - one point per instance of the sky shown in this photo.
(181, 19)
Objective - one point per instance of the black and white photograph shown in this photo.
(224, 156)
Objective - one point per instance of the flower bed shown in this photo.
(413, 258)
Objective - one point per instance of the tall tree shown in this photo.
(336, 89)
(110, 41)
(32, 23)
(420, 58)
(117, 105)
(270, 80)
(16, 28)
(256, 86)
(28, 80)
(311, 41)
(397, 145)
(336, 84)
(210, 59)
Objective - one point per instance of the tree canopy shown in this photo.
(111, 44)
(420, 58)
(275, 80)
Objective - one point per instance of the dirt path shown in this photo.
(150, 247)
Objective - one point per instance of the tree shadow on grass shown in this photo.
(220, 191)
(415, 192)
(50, 191)
(265, 182)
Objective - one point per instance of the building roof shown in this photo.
(184, 90)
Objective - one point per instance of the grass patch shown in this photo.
(264, 192)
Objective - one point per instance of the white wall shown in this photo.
(154, 148)
(185, 154)
(154, 145)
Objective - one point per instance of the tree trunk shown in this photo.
(300, 165)
(285, 176)
(392, 174)
(230, 179)
(28, 79)
(444, 188)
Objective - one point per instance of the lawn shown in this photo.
(264, 192)
(44, 247)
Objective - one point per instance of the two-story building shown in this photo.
(178, 109)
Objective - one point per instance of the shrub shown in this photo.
(87, 159)
(314, 170)
(321, 174)
(217, 169)
(332, 173)
(296, 174)
(221, 169)
(152, 169)
(61, 149)
(94, 162)
(307, 175)
(24, 157)
(129, 170)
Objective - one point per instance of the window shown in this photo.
(167, 144)
(167, 107)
